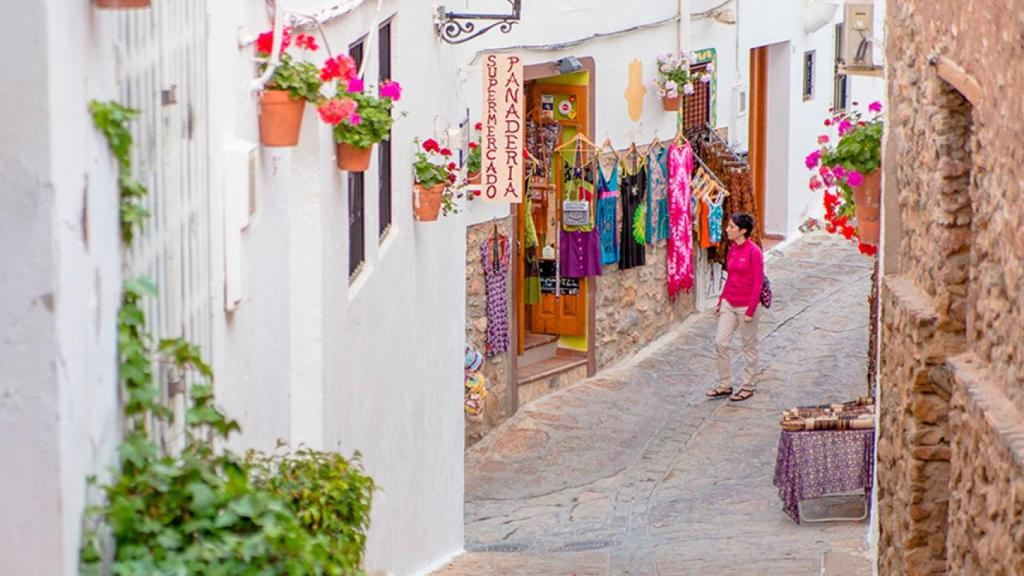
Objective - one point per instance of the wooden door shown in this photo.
(758, 128)
(562, 314)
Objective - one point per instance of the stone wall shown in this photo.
(633, 307)
(497, 370)
(986, 520)
(949, 474)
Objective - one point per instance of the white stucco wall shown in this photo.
(60, 280)
(372, 364)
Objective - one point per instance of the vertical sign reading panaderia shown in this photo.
(501, 178)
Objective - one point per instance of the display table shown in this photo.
(812, 464)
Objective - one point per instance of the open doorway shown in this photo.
(554, 308)
(769, 138)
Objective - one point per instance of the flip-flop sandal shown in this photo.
(719, 392)
(742, 395)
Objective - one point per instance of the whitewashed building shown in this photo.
(331, 317)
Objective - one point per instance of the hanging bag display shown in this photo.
(575, 207)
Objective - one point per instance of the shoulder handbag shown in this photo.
(766, 292)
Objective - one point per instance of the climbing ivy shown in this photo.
(112, 120)
(203, 509)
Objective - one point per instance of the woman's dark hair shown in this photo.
(744, 222)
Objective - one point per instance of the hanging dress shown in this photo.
(494, 258)
(607, 205)
(633, 189)
(657, 196)
(579, 248)
(679, 259)
(715, 220)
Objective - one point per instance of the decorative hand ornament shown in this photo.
(635, 90)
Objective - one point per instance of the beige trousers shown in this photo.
(728, 319)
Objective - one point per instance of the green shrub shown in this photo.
(329, 494)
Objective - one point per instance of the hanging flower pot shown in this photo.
(122, 3)
(426, 202)
(474, 178)
(280, 118)
(352, 159)
(868, 200)
(670, 104)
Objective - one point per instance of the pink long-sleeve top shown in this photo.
(746, 274)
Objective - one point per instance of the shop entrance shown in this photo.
(553, 311)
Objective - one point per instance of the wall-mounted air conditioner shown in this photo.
(858, 26)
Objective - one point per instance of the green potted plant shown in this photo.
(433, 176)
(473, 161)
(356, 130)
(674, 79)
(293, 83)
(852, 168)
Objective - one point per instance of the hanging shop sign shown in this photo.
(501, 178)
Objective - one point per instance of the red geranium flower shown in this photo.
(451, 165)
(431, 145)
(306, 42)
(866, 249)
(479, 126)
(446, 152)
(848, 232)
(265, 41)
(341, 66)
(472, 145)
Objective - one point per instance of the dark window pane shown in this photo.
(356, 199)
(384, 149)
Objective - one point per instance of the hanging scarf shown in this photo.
(679, 258)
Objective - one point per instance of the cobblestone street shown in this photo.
(636, 472)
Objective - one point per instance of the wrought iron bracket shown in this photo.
(459, 27)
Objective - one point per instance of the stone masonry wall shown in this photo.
(497, 371)
(949, 465)
(633, 307)
(986, 520)
(913, 446)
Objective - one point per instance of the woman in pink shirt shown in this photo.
(738, 307)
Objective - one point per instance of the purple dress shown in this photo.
(495, 259)
(579, 251)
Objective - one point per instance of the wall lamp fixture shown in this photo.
(459, 27)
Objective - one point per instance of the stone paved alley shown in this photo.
(635, 472)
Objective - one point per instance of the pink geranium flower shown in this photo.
(812, 159)
(355, 119)
(823, 139)
(875, 106)
(838, 171)
(854, 178)
(356, 84)
(844, 127)
(391, 90)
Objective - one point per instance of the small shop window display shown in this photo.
(475, 384)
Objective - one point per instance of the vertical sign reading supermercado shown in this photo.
(501, 178)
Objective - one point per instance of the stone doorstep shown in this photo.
(546, 376)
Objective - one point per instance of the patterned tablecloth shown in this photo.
(811, 464)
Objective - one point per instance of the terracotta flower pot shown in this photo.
(868, 200)
(474, 178)
(352, 159)
(670, 104)
(122, 3)
(426, 202)
(280, 118)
